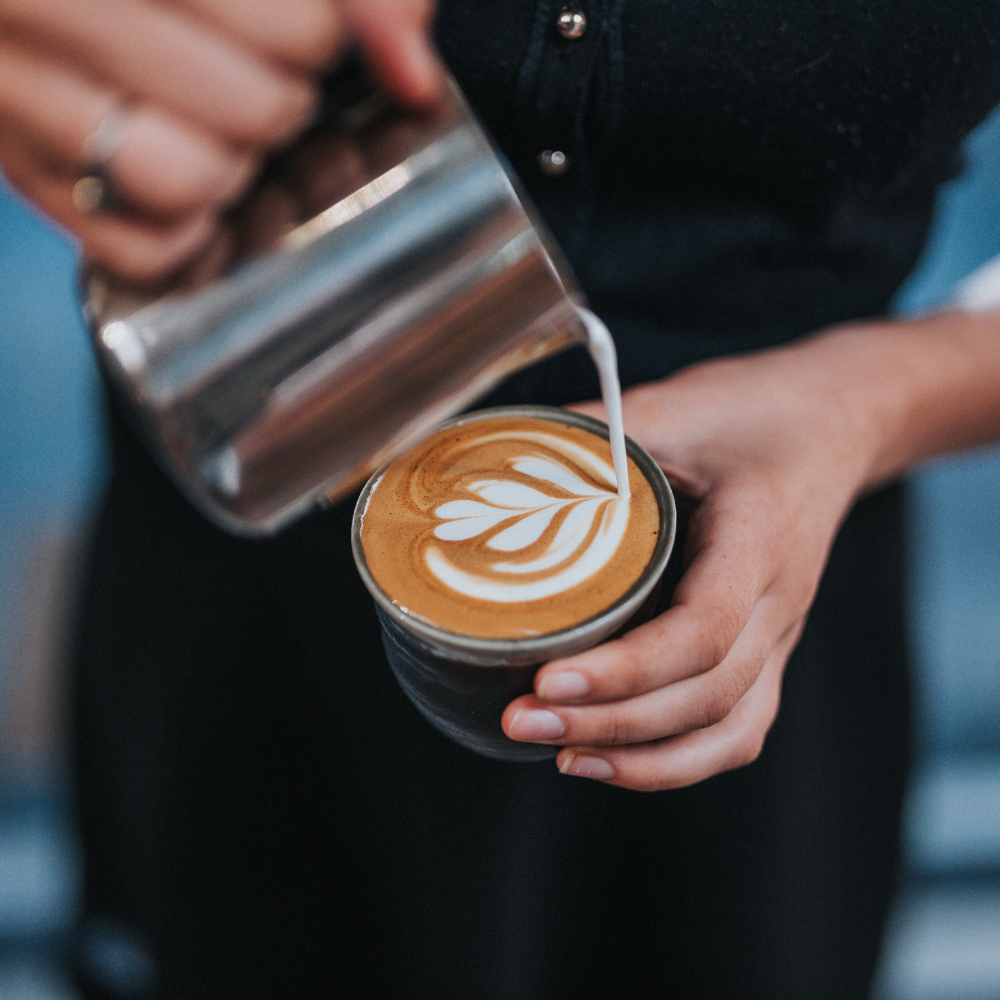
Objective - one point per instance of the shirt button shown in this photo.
(571, 23)
(553, 162)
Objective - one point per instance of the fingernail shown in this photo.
(535, 724)
(587, 767)
(567, 685)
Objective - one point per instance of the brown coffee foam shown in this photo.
(399, 522)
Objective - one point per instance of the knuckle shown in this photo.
(647, 783)
(631, 665)
(318, 35)
(719, 698)
(174, 168)
(618, 731)
(281, 111)
(747, 750)
(717, 634)
(746, 670)
(138, 254)
(136, 261)
(713, 711)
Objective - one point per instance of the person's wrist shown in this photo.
(931, 385)
(878, 380)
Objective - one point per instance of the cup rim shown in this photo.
(484, 651)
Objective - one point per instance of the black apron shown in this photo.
(263, 812)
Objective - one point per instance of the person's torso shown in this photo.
(738, 173)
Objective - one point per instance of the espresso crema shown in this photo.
(508, 527)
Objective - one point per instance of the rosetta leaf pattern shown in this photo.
(532, 562)
(529, 510)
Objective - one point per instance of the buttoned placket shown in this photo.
(566, 78)
(555, 82)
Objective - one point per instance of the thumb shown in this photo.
(395, 36)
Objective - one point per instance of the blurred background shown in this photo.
(944, 939)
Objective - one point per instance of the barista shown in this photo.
(740, 192)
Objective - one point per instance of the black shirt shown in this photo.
(739, 173)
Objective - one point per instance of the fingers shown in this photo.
(731, 568)
(688, 670)
(203, 89)
(402, 59)
(161, 166)
(307, 34)
(138, 249)
(147, 50)
(695, 756)
(673, 708)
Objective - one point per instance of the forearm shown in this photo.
(912, 389)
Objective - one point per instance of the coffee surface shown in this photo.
(508, 527)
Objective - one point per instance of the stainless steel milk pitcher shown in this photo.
(383, 274)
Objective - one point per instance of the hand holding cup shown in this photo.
(773, 452)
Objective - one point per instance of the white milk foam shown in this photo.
(568, 560)
(602, 352)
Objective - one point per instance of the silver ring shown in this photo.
(95, 191)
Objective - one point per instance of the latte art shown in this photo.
(559, 540)
(508, 527)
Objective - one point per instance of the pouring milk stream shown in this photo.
(498, 498)
(511, 514)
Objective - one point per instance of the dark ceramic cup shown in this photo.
(461, 684)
